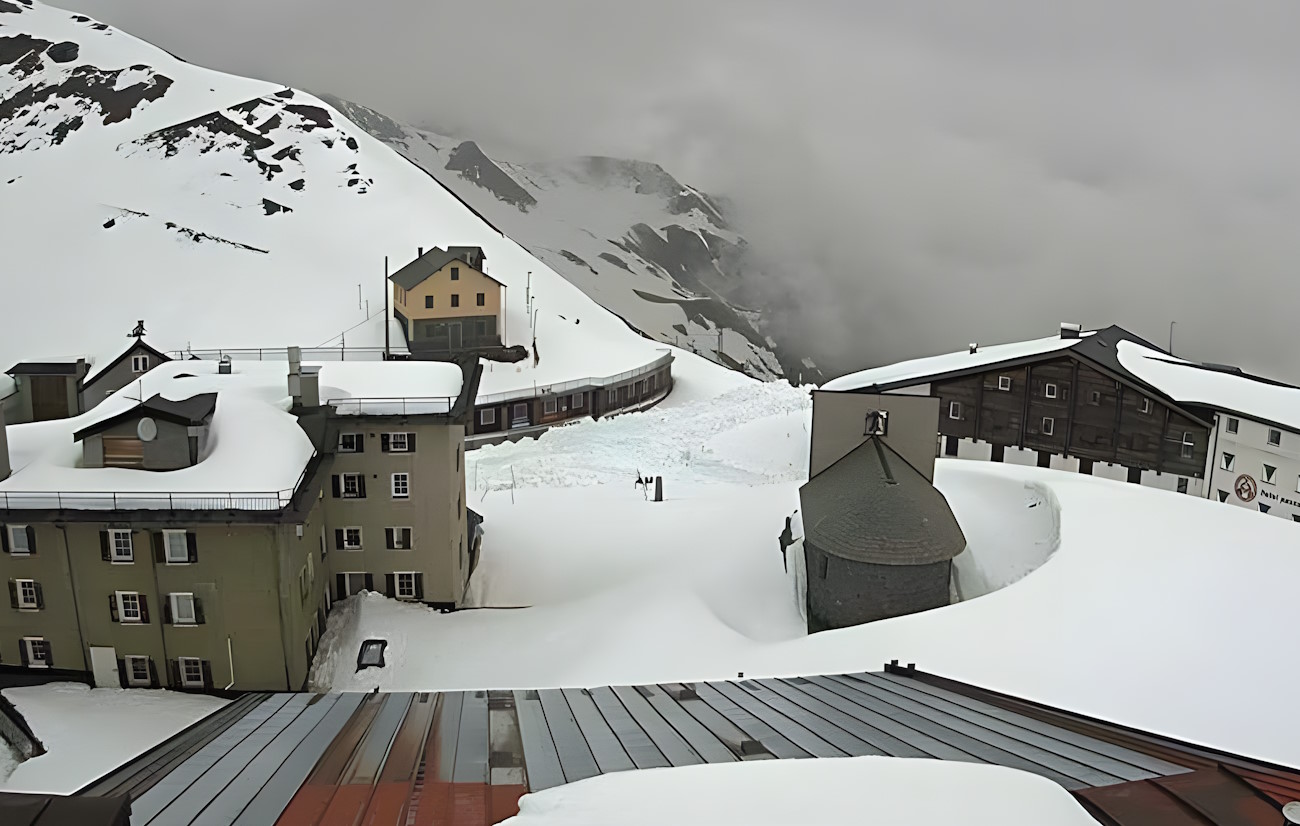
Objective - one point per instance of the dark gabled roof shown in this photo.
(195, 410)
(56, 810)
(132, 348)
(872, 506)
(44, 368)
(414, 273)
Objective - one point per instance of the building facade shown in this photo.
(447, 304)
(1255, 465)
(228, 590)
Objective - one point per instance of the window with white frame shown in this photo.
(954, 410)
(549, 405)
(1232, 425)
(1270, 475)
(350, 442)
(1144, 406)
(398, 539)
(191, 671)
(577, 401)
(19, 540)
(1229, 460)
(183, 612)
(397, 443)
(1004, 383)
(137, 671)
(1049, 390)
(28, 594)
(401, 485)
(351, 539)
(406, 586)
(120, 546)
(128, 607)
(351, 485)
(488, 416)
(1049, 426)
(177, 546)
(1274, 437)
(139, 364)
(37, 650)
(1189, 444)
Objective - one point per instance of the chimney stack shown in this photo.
(1070, 330)
(223, 366)
(5, 468)
(419, 252)
(295, 375)
(974, 348)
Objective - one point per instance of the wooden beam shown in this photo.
(1164, 435)
(1119, 416)
(1074, 401)
(1024, 410)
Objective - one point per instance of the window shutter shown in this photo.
(390, 581)
(121, 671)
(31, 540)
(199, 617)
(338, 539)
(419, 587)
(207, 674)
(361, 443)
(340, 587)
(334, 482)
(407, 544)
(167, 610)
(410, 442)
(159, 547)
(144, 609)
(112, 606)
(361, 486)
(388, 539)
(383, 442)
(49, 654)
(370, 582)
(4, 539)
(192, 546)
(40, 596)
(22, 650)
(153, 674)
(174, 673)
(103, 546)
(13, 594)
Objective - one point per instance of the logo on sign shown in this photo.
(1246, 488)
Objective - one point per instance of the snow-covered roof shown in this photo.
(256, 451)
(923, 368)
(1191, 383)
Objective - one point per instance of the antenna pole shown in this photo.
(1171, 337)
(387, 351)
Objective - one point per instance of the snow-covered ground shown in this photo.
(89, 732)
(883, 790)
(1136, 597)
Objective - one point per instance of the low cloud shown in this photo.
(913, 176)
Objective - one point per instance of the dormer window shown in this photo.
(139, 364)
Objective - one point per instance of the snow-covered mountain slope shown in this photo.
(656, 252)
(226, 212)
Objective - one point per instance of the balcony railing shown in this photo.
(564, 388)
(412, 406)
(282, 354)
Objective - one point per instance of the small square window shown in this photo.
(137, 671)
(428, 302)
(19, 540)
(191, 670)
(1182, 484)
(352, 485)
(28, 594)
(1094, 397)
(128, 606)
(177, 546)
(406, 586)
(1274, 437)
(1232, 425)
(139, 364)
(397, 443)
(455, 299)
(351, 539)
(481, 300)
(1049, 390)
(954, 410)
(401, 485)
(488, 416)
(1049, 426)
(1004, 383)
(549, 405)
(1270, 475)
(1144, 406)
(1229, 460)
(455, 273)
(121, 547)
(349, 442)
(1189, 445)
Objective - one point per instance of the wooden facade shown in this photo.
(549, 409)
(1063, 406)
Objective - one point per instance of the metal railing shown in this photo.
(282, 354)
(566, 387)
(396, 406)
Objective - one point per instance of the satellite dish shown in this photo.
(1291, 811)
(147, 429)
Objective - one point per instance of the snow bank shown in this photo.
(885, 790)
(89, 732)
(1012, 527)
(948, 362)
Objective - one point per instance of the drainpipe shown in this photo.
(76, 607)
(230, 652)
(162, 625)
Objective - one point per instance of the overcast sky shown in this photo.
(928, 172)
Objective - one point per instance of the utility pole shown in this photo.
(719, 345)
(387, 348)
(528, 293)
(358, 296)
(1171, 337)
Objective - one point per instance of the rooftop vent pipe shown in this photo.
(1070, 330)
(223, 366)
(974, 348)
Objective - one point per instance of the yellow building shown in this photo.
(447, 304)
